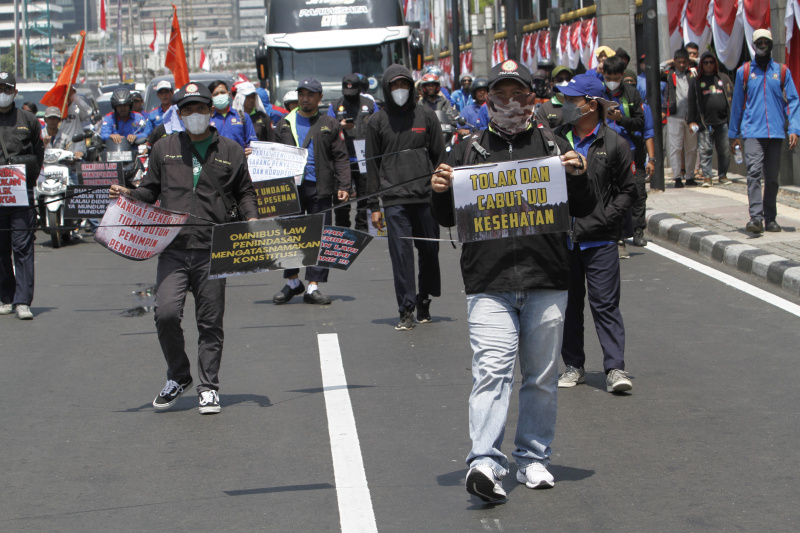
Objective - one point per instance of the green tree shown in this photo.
(7, 60)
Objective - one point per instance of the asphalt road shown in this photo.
(707, 441)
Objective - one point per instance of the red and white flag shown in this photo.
(792, 22)
(544, 44)
(728, 31)
(589, 43)
(103, 17)
(696, 24)
(562, 44)
(205, 64)
(675, 13)
(756, 17)
(154, 44)
(575, 44)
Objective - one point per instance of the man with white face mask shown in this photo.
(414, 131)
(182, 167)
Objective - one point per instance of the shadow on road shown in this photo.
(286, 488)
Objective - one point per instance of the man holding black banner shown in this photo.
(188, 172)
(20, 137)
(516, 293)
(327, 173)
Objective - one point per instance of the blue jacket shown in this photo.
(111, 125)
(765, 112)
(234, 128)
(476, 116)
(155, 117)
(461, 99)
(273, 114)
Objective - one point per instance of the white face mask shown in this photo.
(196, 123)
(562, 84)
(6, 99)
(221, 101)
(400, 96)
(612, 85)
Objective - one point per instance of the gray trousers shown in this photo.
(682, 142)
(763, 156)
(714, 137)
(180, 271)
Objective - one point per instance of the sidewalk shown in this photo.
(711, 221)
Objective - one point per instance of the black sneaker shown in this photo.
(406, 321)
(638, 237)
(209, 402)
(287, 293)
(316, 297)
(773, 227)
(679, 183)
(755, 226)
(691, 182)
(424, 311)
(171, 392)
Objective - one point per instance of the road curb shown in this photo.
(745, 258)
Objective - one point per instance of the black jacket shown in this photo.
(612, 172)
(360, 111)
(514, 263)
(550, 115)
(169, 179)
(22, 138)
(332, 164)
(668, 103)
(392, 129)
(263, 127)
(699, 95)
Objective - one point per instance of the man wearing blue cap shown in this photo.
(594, 259)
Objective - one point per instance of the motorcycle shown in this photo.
(128, 154)
(50, 195)
(449, 129)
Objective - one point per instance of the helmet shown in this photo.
(432, 69)
(430, 77)
(135, 95)
(291, 96)
(363, 83)
(121, 97)
(478, 83)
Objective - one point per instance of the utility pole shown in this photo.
(653, 77)
(511, 28)
(132, 36)
(25, 38)
(455, 55)
(16, 39)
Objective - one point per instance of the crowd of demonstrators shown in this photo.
(516, 296)
(353, 110)
(122, 122)
(764, 98)
(200, 156)
(408, 138)
(681, 139)
(549, 114)
(20, 144)
(327, 174)
(227, 121)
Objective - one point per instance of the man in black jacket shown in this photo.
(180, 173)
(516, 294)
(682, 141)
(20, 135)
(593, 249)
(327, 173)
(413, 131)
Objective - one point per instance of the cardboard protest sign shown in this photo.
(361, 154)
(340, 246)
(512, 199)
(136, 230)
(274, 160)
(13, 186)
(262, 245)
(276, 197)
(89, 198)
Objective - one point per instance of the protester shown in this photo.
(327, 173)
(275, 113)
(182, 167)
(155, 116)
(549, 113)
(137, 103)
(413, 131)
(694, 54)
(353, 110)
(710, 96)
(20, 144)
(764, 98)
(594, 261)
(623, 55)
(122, 122)
(682, 141)
(31, 108)
(475, 113)
(516, 295)
(290, 100)
(247, 103)
(601, 53)
(462, 97)
(228, 122)
(645, 167)
(431, 86)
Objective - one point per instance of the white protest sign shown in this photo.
(274, 160)
(13, 186)
(361, 154)
(136, 230)
(510, 199)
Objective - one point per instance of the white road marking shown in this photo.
(355, 503)
(761, 294)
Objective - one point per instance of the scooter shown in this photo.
(128, 154)
(50, 195)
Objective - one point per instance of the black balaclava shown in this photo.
(763, 56)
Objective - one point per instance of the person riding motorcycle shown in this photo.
(476, 113)
(122, 122)
(431, 98)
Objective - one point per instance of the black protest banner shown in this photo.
(89, 199)
(277, 197)
(512, 199)
(340, 246)
(261, 245)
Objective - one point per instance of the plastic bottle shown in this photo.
(737, 154)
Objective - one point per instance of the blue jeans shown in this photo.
(502, 324)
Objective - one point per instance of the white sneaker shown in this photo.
(535, 476)
(484, 483)
(6, 309)
(24, 312)
(572, 376)
(209, 402)
(617, 381)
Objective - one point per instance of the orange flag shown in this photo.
(58, 95)
(176, 55)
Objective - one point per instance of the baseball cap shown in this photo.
(245, 88)
(52, 111)
(762, 33)
(350, 85)
(163, 84)
(559, 69)
(310, 84)
(192, 92)
(582, 85)
(7, 78)
(510, 70)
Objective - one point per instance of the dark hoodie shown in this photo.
(394, 128)
(710, 96)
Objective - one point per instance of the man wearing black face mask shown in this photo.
(414, 131)
(764, 96)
